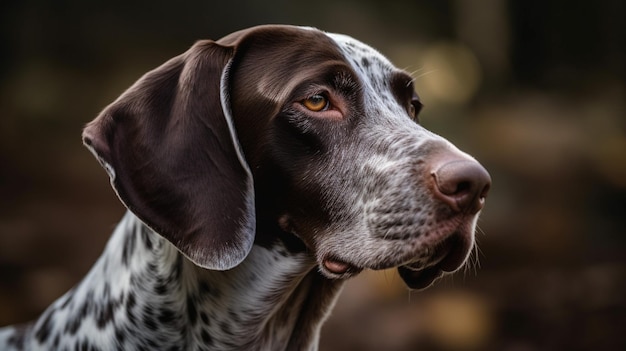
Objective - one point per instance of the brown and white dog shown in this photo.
(260, 171)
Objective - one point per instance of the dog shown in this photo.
(260, 171)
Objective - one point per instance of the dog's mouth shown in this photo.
(418, 272)
(447, 258)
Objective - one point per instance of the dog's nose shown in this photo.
(463, 184)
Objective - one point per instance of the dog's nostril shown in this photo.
(462, 187)
(462, 184)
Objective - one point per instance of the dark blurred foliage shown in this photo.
(533, 89)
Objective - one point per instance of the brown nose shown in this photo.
(463, 184)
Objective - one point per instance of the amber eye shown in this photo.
(316, 103)
(415, 106)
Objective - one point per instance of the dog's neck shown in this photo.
(143, 291)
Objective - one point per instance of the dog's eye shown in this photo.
(415, 107)
(316, 103)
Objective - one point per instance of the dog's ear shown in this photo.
(171, 151)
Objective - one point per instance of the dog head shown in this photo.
(291, 129)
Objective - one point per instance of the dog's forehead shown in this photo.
(376, 73)
(367, 61)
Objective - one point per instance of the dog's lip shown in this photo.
(420, 279)
(450, 256)
(338, 268)
(420, 276)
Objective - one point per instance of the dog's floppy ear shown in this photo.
(171, 151)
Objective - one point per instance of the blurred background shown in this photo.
(535, 90)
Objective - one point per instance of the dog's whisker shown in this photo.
(425, 73)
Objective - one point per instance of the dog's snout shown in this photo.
(462, 184)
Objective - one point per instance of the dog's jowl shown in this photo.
(260, 171)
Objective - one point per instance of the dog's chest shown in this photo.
(143, 294)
